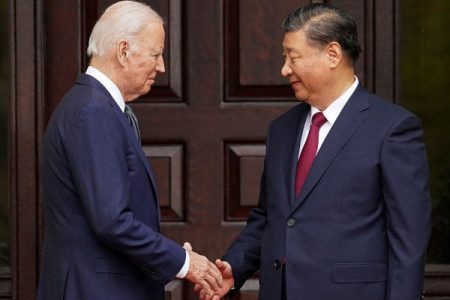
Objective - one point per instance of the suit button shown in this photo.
(291, 222)
(277, 263)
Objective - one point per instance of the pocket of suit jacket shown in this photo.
(359, 272)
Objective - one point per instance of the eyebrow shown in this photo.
(290, 50)
(156, 49)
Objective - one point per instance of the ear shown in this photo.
(334, 54)
(122, 52)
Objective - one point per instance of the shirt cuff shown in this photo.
(183, 272)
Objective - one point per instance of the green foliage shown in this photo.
(425, 70)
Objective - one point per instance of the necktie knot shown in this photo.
(318, 119)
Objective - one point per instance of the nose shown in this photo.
(160, 65)
(286, 69)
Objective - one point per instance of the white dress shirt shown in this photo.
(114, 91)
(331, 113)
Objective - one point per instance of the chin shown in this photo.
(301, 97)
(146, 89)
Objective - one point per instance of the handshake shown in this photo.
(212, 281)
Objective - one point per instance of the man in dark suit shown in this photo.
(344, 209)
(101, 211)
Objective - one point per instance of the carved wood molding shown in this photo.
(174, 290)
(437, 282)
(5, 283)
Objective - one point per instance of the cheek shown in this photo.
(148, 66)
(141, 69)
(302, 68)
(310, 71)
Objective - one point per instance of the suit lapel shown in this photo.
(294, 141)
(136, 145)
(350, 118)
(140, 152)
(89, 80)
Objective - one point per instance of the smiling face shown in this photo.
(307, 67)
(143, 61)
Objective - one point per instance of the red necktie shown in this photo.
(309, 151)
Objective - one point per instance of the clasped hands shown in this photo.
(212, 281)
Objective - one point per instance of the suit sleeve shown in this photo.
(97, 157)
(244, 255)
(405, 190)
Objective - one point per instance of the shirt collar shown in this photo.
(109, 85)
(332, 112)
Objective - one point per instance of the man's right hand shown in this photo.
(203, 273)
(228, 282)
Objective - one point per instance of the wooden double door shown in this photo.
(204, 123)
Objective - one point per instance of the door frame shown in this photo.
(27, 121)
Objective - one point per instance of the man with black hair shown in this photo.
(344, 209)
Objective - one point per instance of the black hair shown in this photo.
(325, 23)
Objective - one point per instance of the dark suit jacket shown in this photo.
(101, 211)
(360, 226)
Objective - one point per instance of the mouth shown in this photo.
(295, 84)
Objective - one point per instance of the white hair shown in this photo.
(122, 20)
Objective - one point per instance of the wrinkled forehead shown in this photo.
(152, 34)
(153, 28)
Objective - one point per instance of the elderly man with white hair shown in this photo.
(101, 211)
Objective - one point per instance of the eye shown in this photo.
(291, 55)
(155, 56)
(295, 59)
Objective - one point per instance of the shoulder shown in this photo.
(387, 113)
(86, 98)
(292, 116)
(389, 107)
(84, 105)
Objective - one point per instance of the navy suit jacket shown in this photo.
(360, 226)
(101, 211)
